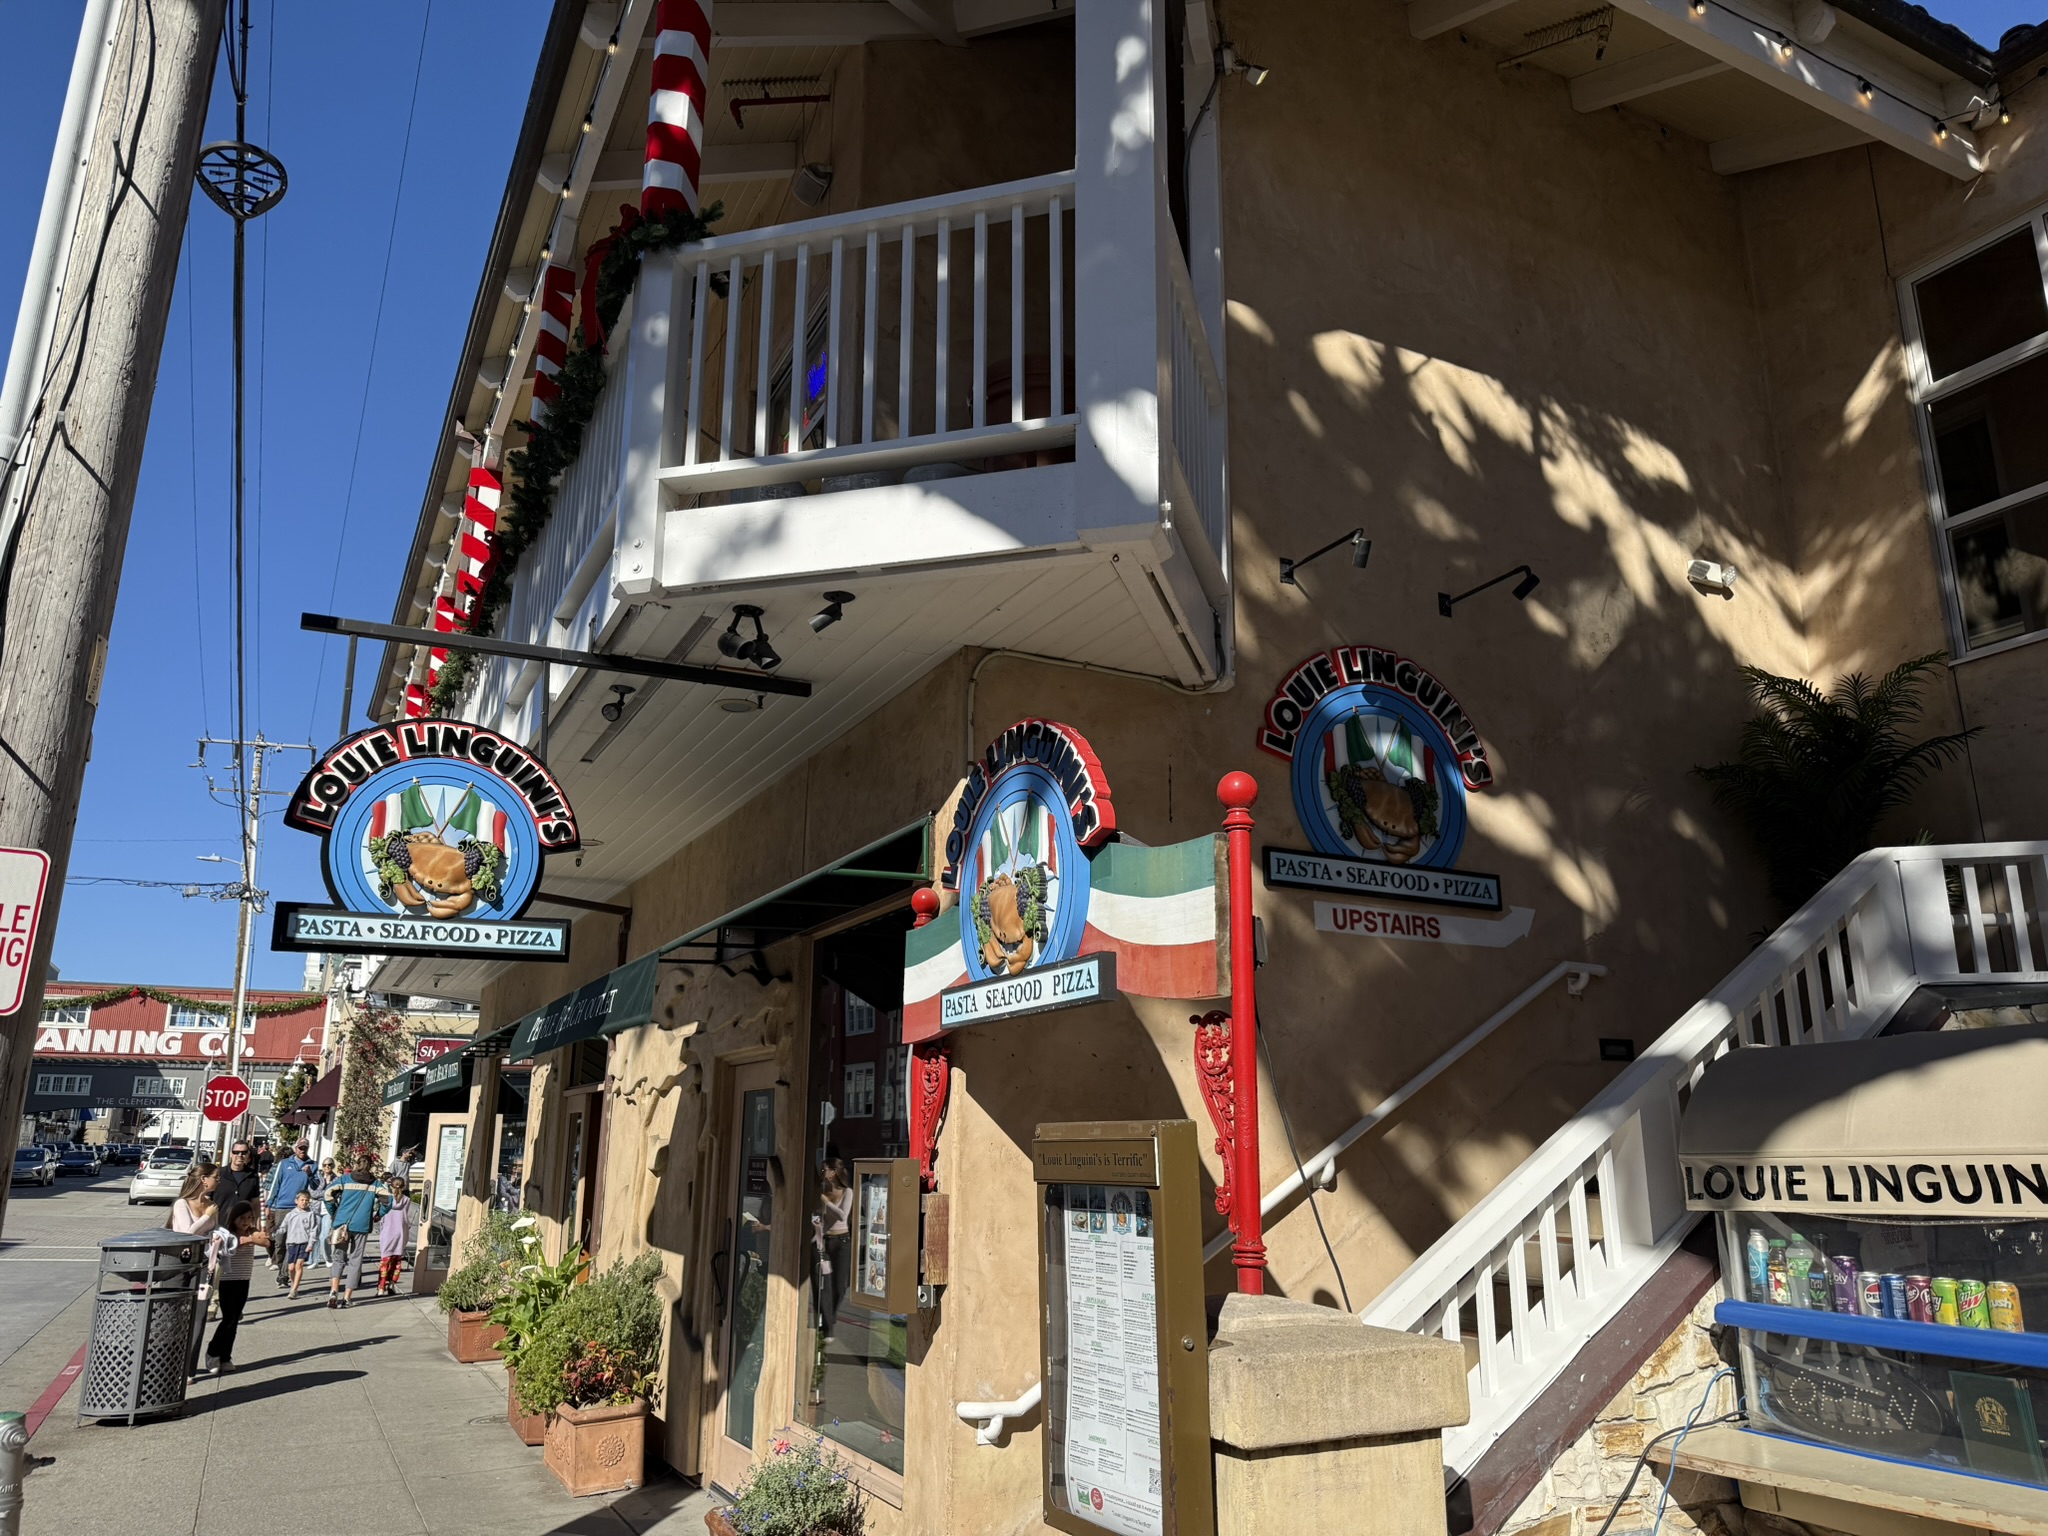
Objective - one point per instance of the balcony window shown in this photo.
(66, 1015)
(1979, 328)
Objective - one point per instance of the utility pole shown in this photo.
(80, 454)
(250, 805)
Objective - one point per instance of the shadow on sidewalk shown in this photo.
(664, 1504)
(255, 1391)
(270, 1362)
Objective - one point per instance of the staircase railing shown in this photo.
(1524, 1276)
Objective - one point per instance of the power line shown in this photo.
(192, 459)
(370, 366)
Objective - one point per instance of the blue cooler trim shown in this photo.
(2022, 1349)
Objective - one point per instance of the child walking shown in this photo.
(394, 1237)
(299, 1231)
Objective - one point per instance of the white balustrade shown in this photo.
(1895, 920)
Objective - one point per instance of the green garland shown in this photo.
(297, 1004)
(553, 445)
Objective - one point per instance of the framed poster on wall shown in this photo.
(1124, 1328)
(885, 1235)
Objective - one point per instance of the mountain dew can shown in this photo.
(1973, 1308)
(1945, 1310)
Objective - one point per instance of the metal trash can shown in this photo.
(142, 1322)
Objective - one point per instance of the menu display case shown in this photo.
(1883, 1227)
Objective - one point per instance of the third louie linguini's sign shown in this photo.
(1427, 927)
(1089, 979)
(322, 928)
(1361, 877)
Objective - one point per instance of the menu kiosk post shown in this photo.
(1124, 1328)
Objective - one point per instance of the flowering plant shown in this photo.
(802, 1489)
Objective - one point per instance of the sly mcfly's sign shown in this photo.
(434, 832)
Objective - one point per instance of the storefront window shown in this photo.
(750, 1262)
(852, 1362)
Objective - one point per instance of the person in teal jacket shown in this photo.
(357, 1204)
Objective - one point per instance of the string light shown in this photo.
(1863, 90)
(1940, 130)
(586, 122)
(1699, 7)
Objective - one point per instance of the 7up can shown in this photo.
(1944, 1289)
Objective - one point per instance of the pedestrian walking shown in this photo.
(288, 1180)
(240, 1181)
(321, 1182)
(296, 1233)
(194, 1210)
(232, 1254)
(401, 1165)
(394, 1237)
(357, 1204)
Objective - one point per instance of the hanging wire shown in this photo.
(263, 347)
(370, 366)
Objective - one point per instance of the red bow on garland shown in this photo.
(593, 263)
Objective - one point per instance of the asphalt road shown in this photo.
(49, 1252)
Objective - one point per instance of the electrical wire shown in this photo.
(1671, 1471)
(263, 346)
(1655, 1440)
(1287, 1127)
(192, 461)
(370, 366)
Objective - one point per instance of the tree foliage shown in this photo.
(1816, 773)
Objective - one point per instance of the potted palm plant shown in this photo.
(470, 1292)
(537, 1288)
(590, 1368)
(801, 1489)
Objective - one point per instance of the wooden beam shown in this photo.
(1753, 151)
(762, 24)
(1672, 65)
(1813, 75)
(619, 170)
(1432, 18)
(934, 16)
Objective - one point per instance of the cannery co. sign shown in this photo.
(434, 832)
(1382, 756)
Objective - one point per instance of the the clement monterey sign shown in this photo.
(434, 834)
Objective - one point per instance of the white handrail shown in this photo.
(1313, 1169)
(997, 1414)
(1838, 969)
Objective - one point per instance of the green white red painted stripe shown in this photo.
(1160, 911)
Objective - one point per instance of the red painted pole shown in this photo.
(1238, 792)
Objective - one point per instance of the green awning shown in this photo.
(445, 1072)
(399, 1089)
(618, 1000)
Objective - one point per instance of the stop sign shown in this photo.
(226, 1098)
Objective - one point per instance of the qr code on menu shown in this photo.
(1152, 1480)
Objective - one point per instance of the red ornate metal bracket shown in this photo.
(931, 1075)
(1212, 1068)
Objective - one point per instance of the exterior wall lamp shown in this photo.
(1445, 602)
(756, 650)
(1361, 551)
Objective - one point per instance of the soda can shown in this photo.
(2003, 1301)
(1920, 1298)
(1757, 1249)
(1894, 1293)
(1944, 1289)
(1973, 1308)
(1842, 1275)
(1869, 1293)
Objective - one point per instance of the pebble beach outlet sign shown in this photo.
(1381, 757)
(434, 832)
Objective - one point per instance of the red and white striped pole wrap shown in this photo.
(475, 536)
(551, 345)
(675, 107)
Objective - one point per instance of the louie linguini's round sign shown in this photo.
(1382, 756)
(434, 833)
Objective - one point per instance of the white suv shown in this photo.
(160, 1177)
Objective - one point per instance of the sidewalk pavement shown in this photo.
(348, 1419)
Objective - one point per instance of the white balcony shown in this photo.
(996, 417)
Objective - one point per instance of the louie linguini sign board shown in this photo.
(434, 832)
(1051, 911)
(1381, 757)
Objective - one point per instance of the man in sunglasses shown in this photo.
(239, 1180)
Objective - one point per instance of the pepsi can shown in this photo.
(1869, 1293)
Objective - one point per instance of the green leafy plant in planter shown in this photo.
(598, 1345)
(1816, 772)
(802, 1489)
(537, 1287)
(488, 1262)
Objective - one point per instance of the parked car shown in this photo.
(79, 1160)
(127, 1154)
(34, 1165)
(160, 1177)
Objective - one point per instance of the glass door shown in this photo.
(741, 1271)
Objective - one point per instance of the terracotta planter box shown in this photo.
(717, 1524)
(531, 1428)
(472, 1336)
(598, 1450)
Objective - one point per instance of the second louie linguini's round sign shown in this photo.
(1033, 805)
(1382, 756)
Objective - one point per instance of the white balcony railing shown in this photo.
(869, 342)
(1526, 1277)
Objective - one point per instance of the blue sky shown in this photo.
(335, 112)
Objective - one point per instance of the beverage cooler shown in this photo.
(1882, 1209)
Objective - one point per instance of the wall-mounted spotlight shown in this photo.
(833, 611)
(756, 650)
(1361, 551)
(1711, 576)
(1231, 64)
(1445, 602)
(617, 706)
